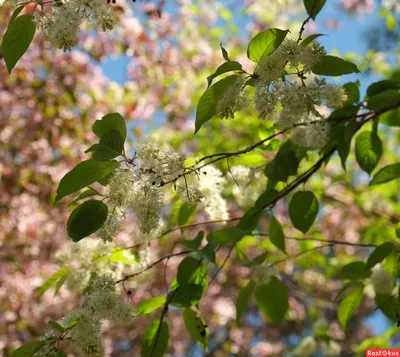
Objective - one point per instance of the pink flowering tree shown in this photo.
(270, 232)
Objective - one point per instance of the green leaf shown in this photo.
(310, 39)
(187, 296)
(334, 66)
(250, 219)
(313, 7)
(108, 122)
(190, 271)
(56, 326)
(368, 150)
(149, 305)
(276, 235)
(186, 213)
(379, 254)
(224, 68)
(28, 349)
(225, 54)
(90, 192)
(303, 209)
(344, 142)
(195, 243)
(59, 274)
(207, 106)
(226, 235)
(273, 300)
(70, 325)
(265, 43)
(16, 12)
(353, 92)
(391, 118)
(397, 230)
(82, 175)
(110, 146)
(387, 99)
(208, 252)
(381, 86)
(266, 198)
(354, 271)
(196, 327)
(61, 353)
(386, 174)
(155, 340)
(60, 282)
(389, 305)
(17, 39)
(243, 300)
(86, 219)
(349, 305)
(259, 259)
(285, 163)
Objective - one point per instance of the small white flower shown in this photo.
(382, 281)
(232, 100)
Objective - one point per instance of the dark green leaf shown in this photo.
(149, 305)
(59, 274)
(349, 305)
(195, 243)
(313, 7)
(17, 39)
(303, 209)
(190, 271)
(186, 296)
(334, 66)
(353, 93)
(90, 192)
(266, 199)
(354, 271)
(243, 299)
(265, 43)
(310, 39)
(389, 305)
(250, 220)
(16, 12)
(382, 86)
(273, 300)
(226, 235)
(196, 327)
(207, 106)
(259, 259)
(82, 175)
(344, 143)
(29, 349)
(186, 213)
(379, 254)
(208, 252)
(86, 219)
(386, 174)
(387, 99)
(110, 146)
(224, 68)
(368, 150)
(397, 230)
(155, 340)
(224, 54)
(276, 235)
(108, 122)
(61, 353)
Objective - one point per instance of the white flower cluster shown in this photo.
(211, 186)
(61, 29)
(262, 274)
(87, 257)
(382, 281)
(232, 100)
(101, 303)
(140, 188)
(248, 185)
